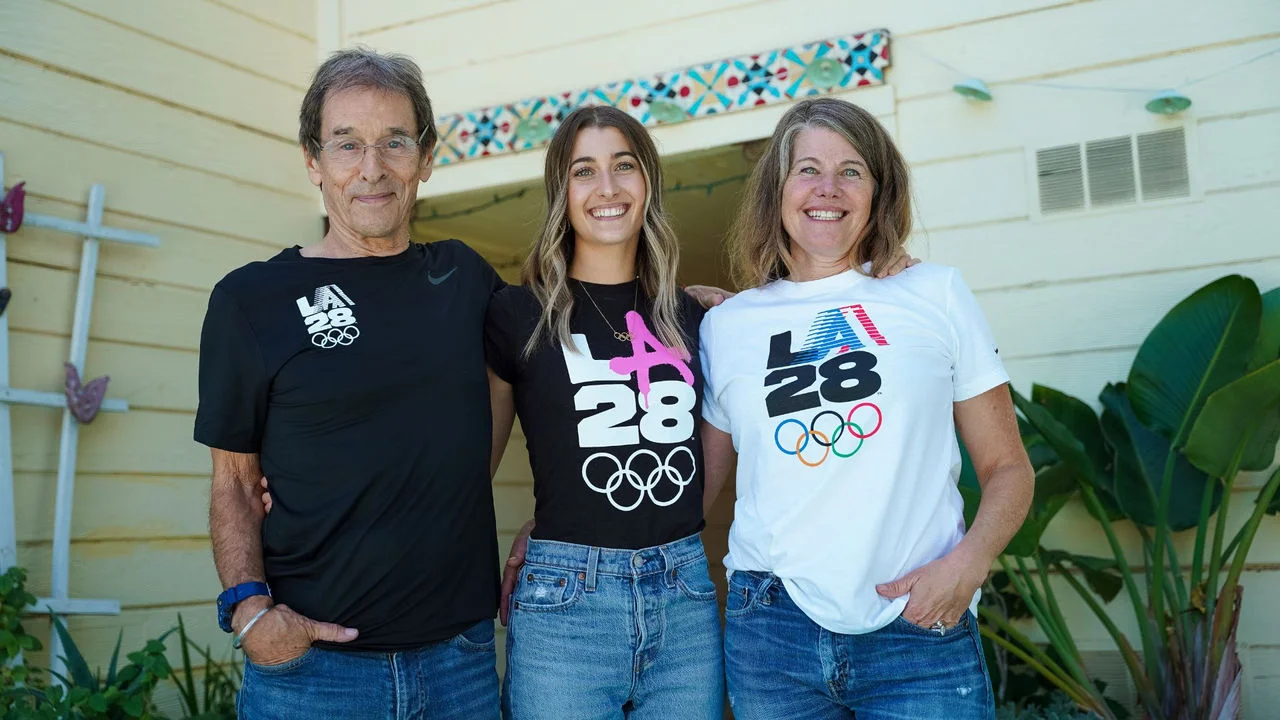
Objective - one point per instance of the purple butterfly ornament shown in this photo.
(11, 209)
(84, 400)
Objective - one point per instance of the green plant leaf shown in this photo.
(1140, 456)
(80, 674)
(1058, 436)
(1247, 409)
(1268, 346)
(1027, 540)
(132, 707)
(115, 659)
(1203, 343)
(98, 703)
(1100, 574)
(1079, 418)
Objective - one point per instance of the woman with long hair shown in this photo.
(852, 578)
(613, 614)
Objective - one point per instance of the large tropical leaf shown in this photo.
(1243, 416)
(1140, 457)
(1268, 345)
(970, 490)
(1203, 343)
(1079, 419)
(1054, 487)
(1099, 573)
(1057, 435)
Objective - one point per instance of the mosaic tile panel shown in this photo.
(737, 83)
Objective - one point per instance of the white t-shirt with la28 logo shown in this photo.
(838, 394)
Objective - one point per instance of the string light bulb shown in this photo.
(973, 89)
(1168, 102)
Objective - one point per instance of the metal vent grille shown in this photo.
(1162, 159)
(1061, 176)
(1111, 176)
(1125, 170)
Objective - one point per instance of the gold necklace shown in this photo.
(621, 336)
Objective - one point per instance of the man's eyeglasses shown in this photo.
(399, 149)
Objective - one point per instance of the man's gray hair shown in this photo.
(361, 67)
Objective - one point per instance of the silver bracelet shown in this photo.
(249, 624)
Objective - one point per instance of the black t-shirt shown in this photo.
(361, 383)
(611, 468)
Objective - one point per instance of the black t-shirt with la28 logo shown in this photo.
(612, 426)
(361, 384)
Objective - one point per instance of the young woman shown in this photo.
(613, 613)
(852, 577)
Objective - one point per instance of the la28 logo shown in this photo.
(847, 377)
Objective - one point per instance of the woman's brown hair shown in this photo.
(759, 248)
(546, 269)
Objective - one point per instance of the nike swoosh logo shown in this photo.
(436, 280)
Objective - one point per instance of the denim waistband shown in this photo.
(611, 561)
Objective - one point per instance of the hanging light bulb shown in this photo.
(973, 89)
(1168, 102)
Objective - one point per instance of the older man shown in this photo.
(351, 372)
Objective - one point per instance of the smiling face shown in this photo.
(826, 200)
(372, 198)
(607, 190)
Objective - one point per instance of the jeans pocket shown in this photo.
(694, 580)
(284, 667)
(477, 638)
(744, 593)
(909, 627)
(542, 588)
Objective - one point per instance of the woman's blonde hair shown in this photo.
(546, 269)
(759, 247)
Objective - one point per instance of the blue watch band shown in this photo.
(229, 598)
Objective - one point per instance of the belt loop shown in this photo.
(668, 566)
(593, 559)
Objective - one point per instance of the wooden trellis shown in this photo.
(59, 600)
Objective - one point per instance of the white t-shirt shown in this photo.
(838, 394)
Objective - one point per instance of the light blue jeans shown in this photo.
(781, 664)
(596, 634)
(454, 679)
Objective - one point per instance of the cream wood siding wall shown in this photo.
(186, 112)
(1069, 297)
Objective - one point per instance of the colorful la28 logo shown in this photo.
(848, 377)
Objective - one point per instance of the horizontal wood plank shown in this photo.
(62, 37)
(186, 257)
(1217, 229)
(154, 189)
(1103, 313)
(145, 377)
(299, 16)
(114, 507)
(123, 311)
(160, 572)
(219, 32)
(137, 442)
(73, 106)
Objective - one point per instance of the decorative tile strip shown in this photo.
(737, 83)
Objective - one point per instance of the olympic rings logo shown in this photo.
(827, 440)
(646, 484)
(335, 336)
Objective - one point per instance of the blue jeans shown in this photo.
(781, 664)
(596, 633)
(454, 679)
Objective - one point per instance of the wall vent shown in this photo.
(1115, 171)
